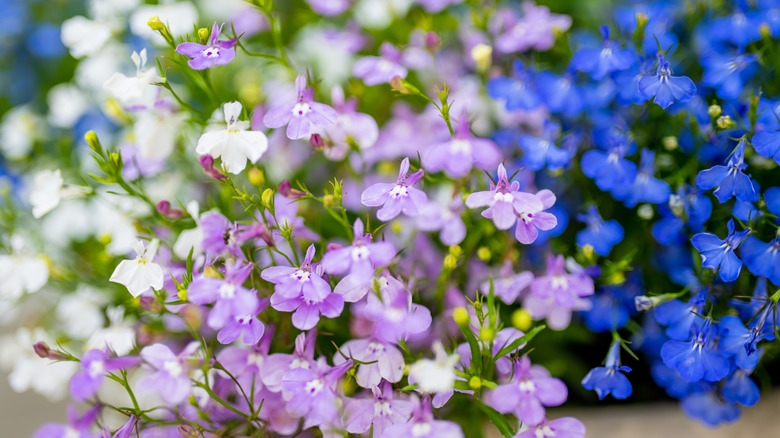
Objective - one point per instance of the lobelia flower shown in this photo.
(304, 291)
(301, 115)
(235, 308)
(127, 429)
(609, 168)
(738, 341)
(351, 128)
(729, 179)
(508, 285)
(696, 359)
(236, 143)
(137, 91)
(530, 221)
(437, 375)
(555, 295)
(169, 377)
(767, 144)
(710, 407)
(530, 390)
(719, 253)
(517, 92)
(727, 74)
(95, 364)
(504, 201)
(680, 317)
(458, 155)
(219, 235)
(329, 7)
(398, 197)
(541, 151)
(601, 62)
(77, 427)
(207, 56)
(740, 388)
(380, 69)
(609, 379)
(600, 235)
(310, 394)
(381, 360)
(535, 30)
(559, 93)
(275, 366)
(664, 88)
(566, 427)
(423, 425)
(48, 190)
(21, 273)
(762, 258)
(394, 315)
(446, 219)
(377, 412)
(141, 274)
(646, 187)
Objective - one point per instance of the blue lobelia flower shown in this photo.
(733, 338)
(746, 211)
(767, 144)
(740, 388)
(729, 179)
(646, 187)
(761, 258)
(611, 307)
(679, 317)
(517, 92)
(664, 87)
(685, 210)
(710, 408)
(695, 359)
(559, 93)
(609, 379)
(600, 235)
(539, 152)
(601, 62)
(719, 253)
(608, 168)
(772, 200)
(727, 74)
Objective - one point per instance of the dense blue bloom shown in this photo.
(710, 408)
(669, 379)
(608, 168)
(727, 74)
(680, 317)
(772, 199)
(737, 28)
(609, 379)
(685, 210)
(601, 235)
(627, 82)
(761, 258)
(559, 93)
(767, 144)
(44, 41)
(746, 211)
(734, 337)
(610, 308)
(762, 327)
(719, 253)
(739, 388)
(646, 187)
(539, 152)
(517, 92)
(729, 179)
(603, 61)
(664, 87)
(695, 359)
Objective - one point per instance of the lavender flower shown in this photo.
(381, 360)
(207, 56)
(566, 427)
(458, 155)
(169, 376)
(398, 197)
(423, 425)
(447, 219)
(310, 394)
(504, 201)
(377, 412)
(77, 427)
(95, 364)
(275, 366)
(301, 115)
(529, 222)
(508, 285)
(380, 69)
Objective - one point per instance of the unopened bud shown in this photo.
(328, 200)
(587, 250)
(765, 30)
(187, 431)
(456, 250)
(482, 54)
(257, 231)
(316, 141)
(487, 334)
(155, 24)
(521, 320)
(92, 140)
(164, 208)
(475, 382)
(267, 198)
(203, 34)
(256, 177)
(150, 304)
(399, 85)
(484, 253)
(677, 205)
(461, 316)
(641, 19)
(286, 190)
(670, 142)
(645, 212)
(207, 162)
(714, 110)
(726, 122)
(432, 41)
(450, 262)
(43, 351)
(643, 303)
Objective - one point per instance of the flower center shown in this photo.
(460, 146)
(421, 429)
(382, 409)
(503, 197)
(527, 386)
(301, 275)
(211, 52)
(96, 368)
(301, 109)
(560, 282)
(244, 320)
(360, 253)
(299, 363)
(173, 368)
(314, 386)
(227, 290)
(399, 191)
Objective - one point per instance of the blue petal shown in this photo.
(767, 144)
(772, 199)
(730, 267)
(706, 242)
(740, 388)
(709, 178)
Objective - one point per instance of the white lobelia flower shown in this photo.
(155, 132)
(436, 375)
(21, 273)
(190, 239)
(136, 90)
(19, 130)
(83, 36)
(140, 274)
(48, 190)
(235, 144)
(119, 336)
(67, 103)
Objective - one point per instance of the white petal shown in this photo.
(253, 144)
(212, 143)
(232, 111)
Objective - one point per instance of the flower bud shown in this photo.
(482, 54)
(155, 24)
(645, 212)
(256, 177)
(399, 85)
(450, 262)
(316, 141)
(475, 382)
(587, 250)
(726, 122)
(487, 334)
(765, 30)
(187, 431)
(203, 34)
(286, 190)
(484, 253)
(207, 162)
(670, 142)
(461, 316)
(714, 110)
(43, 351)
(267, 197)
(456, 250)
(521, 320)
(92, 140)
(643, 303)
(432, 41)
(150, 304)
(164, 208)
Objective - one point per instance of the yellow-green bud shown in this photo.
(461, 316)
(765, 30)
(267, 197)
(521, 320)
(714, 110)
(587, 250)
(641, 19)
(456, 250)
(617, 277)
(203, 34)
(328, 200)
(155, 23)
(670, 142)
(484, 253)
(210, 272)
(397, 227)
(726, 122)
(450, 262)
(256, 177)
(475, 382)
(399, 85)
(92, 140)
(482, 54)
(183, 294)
(487, 334)
(645, 212)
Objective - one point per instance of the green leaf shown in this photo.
(498, 419)
(476, 352)
(518, 342)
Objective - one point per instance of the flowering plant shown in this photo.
(229, 251)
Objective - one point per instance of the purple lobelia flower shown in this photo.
(601, 62)
(566, 427)
(245, 363)
(169, 377)
(529, 391)
(329, 7)
(718, 254)
(380, 69)
(457, 155)
(235, 308)
(304, 291)
(504, 201)
(275, 366)
(380, 360)
(302, 114)
(508, 285)
(536, 30)
(352, 129)
(729, 179)
(696, 359)
(740, 342)
(664, 88)
(127, 429)
(220, 235)
(77, 427)
(377, 412)
(95, 364)
(447, 219)
(311, 394)
(609, 379)
(530, 221)
(423, 425)
(207, 56)
(556, 294)
(359, 260)
(394, 315)
(398, 197)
